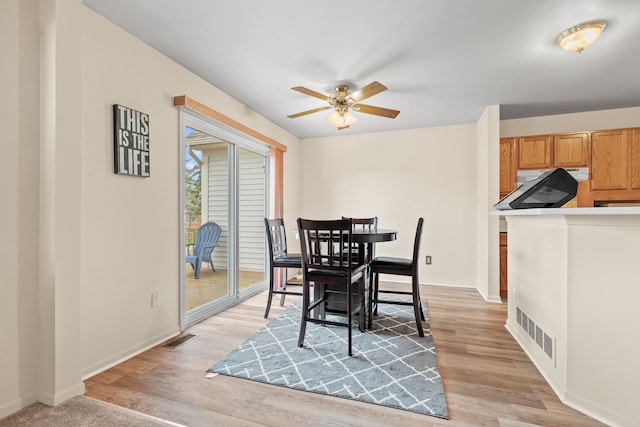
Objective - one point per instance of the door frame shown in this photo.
(236, 140)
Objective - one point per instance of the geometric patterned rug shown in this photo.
(391, 366)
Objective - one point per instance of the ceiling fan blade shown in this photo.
(368, 91)
(310, 92)
(377, 111)
(304, 113)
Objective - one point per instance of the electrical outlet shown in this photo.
(155, 299)
(428, 259)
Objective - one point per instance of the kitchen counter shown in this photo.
(574, 288)
(569, 211)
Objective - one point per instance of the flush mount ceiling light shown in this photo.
(578, 37)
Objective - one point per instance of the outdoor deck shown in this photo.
(213, 285)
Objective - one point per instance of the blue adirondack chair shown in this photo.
(200, 251)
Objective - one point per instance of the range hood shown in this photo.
(579, 174)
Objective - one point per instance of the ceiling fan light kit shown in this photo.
(341, 120)
(342, 101)
(578, 37)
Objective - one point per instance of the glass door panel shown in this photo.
(251, 213)
(225, 182)
(206, 200)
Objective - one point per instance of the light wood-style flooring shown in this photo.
(488, 379)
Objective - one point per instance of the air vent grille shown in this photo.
(535, 332)
(179, 340)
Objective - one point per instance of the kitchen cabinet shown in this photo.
(568, 150)
(508, 166)
(503, 265)
(610, 161)
(635, 160)
(571, 150)
(534, 152)
(615, 164)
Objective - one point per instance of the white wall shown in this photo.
(575, 122)
(19, 203)
(59, 348)
(292, 192)
(83, 248)
(602, 318)
(487, 189)
(398, 177)
(130, 225)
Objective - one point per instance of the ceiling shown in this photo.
(443, 61)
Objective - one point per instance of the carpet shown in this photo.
(392, 366)
(82, 411)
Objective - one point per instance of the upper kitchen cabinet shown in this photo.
(571, 150)
(508, 166)
(534, 152)
(615, 161)
(610, 159)
(635, 160)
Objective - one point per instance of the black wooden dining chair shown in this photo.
(363, 224)
(339, 283)
(279, 258)
(370, 223)
(402, 267)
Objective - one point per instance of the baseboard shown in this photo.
(599, 413)
(46, 398)
(523, 341)
(123, 356)
(490, 298)
(407, 280)
(17, 404)
(451, 284)
(59, 397)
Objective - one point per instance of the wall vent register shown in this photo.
(535, 332)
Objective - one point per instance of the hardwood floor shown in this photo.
(488, 379)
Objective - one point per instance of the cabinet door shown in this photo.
(507, 165)
(635, 160)
(609, 160)
(503, 266)
(534, 152)
(571, 150)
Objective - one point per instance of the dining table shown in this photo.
(366, 238)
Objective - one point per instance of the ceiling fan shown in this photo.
(341, 100)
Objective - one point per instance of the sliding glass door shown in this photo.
(224, 202)
(252, 192)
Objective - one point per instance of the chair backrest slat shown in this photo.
(416, 243)
(363, 223)
(276, 237)
(367, 224)
(319, 240)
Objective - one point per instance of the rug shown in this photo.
(392, 366)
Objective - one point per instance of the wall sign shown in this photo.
(130, 141)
